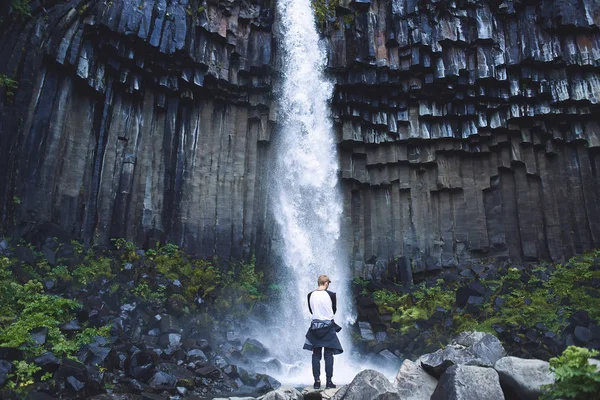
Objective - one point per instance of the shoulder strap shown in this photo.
(333, 298)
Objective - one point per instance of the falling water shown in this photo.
(307, 200)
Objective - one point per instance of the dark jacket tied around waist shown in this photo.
(323, 334)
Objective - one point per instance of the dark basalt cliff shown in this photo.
(468, 130)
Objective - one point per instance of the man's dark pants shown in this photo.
(316, 363)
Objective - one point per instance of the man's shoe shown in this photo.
(317, 385)
(330, 385)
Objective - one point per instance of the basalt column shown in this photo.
(470, 131)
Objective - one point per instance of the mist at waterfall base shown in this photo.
(307, 204)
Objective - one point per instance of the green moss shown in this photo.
(348, 19)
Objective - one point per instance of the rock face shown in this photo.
(140, 119)
(467, 130)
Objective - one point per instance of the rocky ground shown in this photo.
(127, 323)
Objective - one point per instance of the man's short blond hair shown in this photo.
(323, 279)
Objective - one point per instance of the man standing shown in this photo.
(322, 333)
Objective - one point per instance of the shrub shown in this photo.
(21, 8)
(575, 377)
(23, 375)
(324, 9)
(25, 307)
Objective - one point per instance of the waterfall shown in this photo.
(306, 195)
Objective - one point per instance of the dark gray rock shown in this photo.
(525, 378)
(48, 362)
(6, 368)
(468, 348)
(368, 384)
(75, 384)
(71, 326)
(466, 382)
(475, 301)
(170, 339)
(141, 364)
(252, 348)
(582, 334)
(162, 380)
(169, 324)
(196, 354)
(366, 332)
(72, 368)
(39, 335)
(266, 383)
(24, 254)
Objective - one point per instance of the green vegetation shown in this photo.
(21, 8)
(25, 308)
(348, 19)
(575, 377)
(324, 9)
(164, 277)
(532, 300)
(546, 294)
(197, 277)
(23, 375)
(407, 309)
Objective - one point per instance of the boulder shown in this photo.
(468, 348)
(283, 394)
(25, 255)
(582, 334)
(366, 332)
(368, 384)
(48, 362)
(169, 324)
(39, 335)
(266, 383)
(75, 384)
(162, 380)
(141, 364)
(196, 355)
(170, 340)
(468, 382)
(252, 348)
(522, 377)
(414, 383)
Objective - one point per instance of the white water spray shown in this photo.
(307, 199)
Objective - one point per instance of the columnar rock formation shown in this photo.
(468, 130)
(471, 129)
(140, 119)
